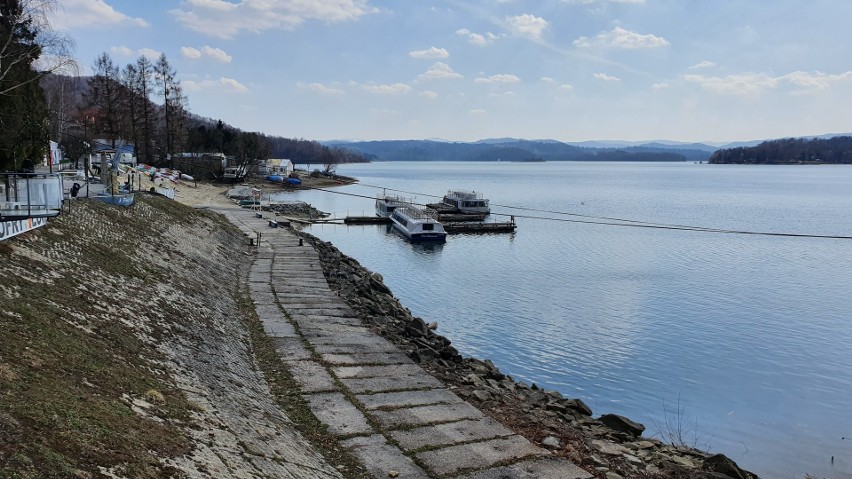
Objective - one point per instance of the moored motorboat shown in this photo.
(125, 199)
(386, 204)
(417, 224)
(461, 201)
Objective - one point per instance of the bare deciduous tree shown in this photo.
(27, 38)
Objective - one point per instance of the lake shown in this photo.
(741, 343)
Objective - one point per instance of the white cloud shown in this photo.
(123, 51)
(816, 80)
(227, 19)
(702, 64)
(320, 88)
(526, 25)
(478, 112)
(660, 86)
(566, 87)
(740, 84)
(548, 80)
(394, 89)
(191, 53)
(754, 83)
(206, 51)
(590, 2)
(216, 54)
(432, 52)
(605, 77)
(476, 38)
(499, 78)
(91, 14)
(428, 94)
(150, 53)
(621, 38)
(222, 84)
(234, 85)
(440, 70)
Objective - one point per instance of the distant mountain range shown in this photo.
(516, 149)
(510, 149)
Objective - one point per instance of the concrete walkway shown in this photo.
(396, 418)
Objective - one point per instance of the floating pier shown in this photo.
(480, 227)
(450, 227)
(460, 217)
(366, 220)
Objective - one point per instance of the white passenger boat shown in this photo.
(417, 224)
(385, 204)
(466, 201)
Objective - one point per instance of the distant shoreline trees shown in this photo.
(791, 151)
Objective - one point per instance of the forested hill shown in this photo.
(514, 150)
(80, 117)
(792, 151)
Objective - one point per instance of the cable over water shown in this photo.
(599, 220)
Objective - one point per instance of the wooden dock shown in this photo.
(450, 227)
(366, 220)
(460, 217)
(480, 227)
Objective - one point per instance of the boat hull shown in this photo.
(430, 237)
(119, 200)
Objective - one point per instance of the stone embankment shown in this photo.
(125, 351)
(609, 446)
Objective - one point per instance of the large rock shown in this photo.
(725, 465)
(622, 424)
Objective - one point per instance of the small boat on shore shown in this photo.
(417, 224)
(125, 199)
(461, 201)
(386, 204)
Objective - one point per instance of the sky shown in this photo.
(569, 70)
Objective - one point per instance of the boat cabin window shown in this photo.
(428, 227)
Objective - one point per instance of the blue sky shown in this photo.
(571, 70)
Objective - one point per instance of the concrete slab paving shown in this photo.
(311, 376)
(423, 415)
(478, 455)
(376, 348)
(407, 399)
(290, 349)
(396, 370)
(450, 433)
(550, 468)
(367, 358)
(389, 383)
(336, 412)
(297, 307)
(279, 328)
(382, 459)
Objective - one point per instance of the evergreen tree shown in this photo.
(23, 109)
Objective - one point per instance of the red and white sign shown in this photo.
(16, 227)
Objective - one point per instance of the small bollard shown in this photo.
(300, 241)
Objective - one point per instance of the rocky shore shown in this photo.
(608, 446)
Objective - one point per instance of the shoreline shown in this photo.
(609, 446)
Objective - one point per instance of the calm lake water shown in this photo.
(749, 336)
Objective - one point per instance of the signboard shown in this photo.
(16, 227)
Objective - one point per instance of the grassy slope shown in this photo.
(71, 359)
